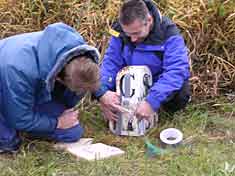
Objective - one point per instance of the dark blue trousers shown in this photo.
(9, 139)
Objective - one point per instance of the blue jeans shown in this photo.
(10, 140)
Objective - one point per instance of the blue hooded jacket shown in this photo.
(163, 51)
(29, 64)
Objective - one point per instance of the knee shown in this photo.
(68, 135)
(183, 96)
(179, 99)
(53, 108)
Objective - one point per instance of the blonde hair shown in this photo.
(82, 73)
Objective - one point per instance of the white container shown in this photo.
(132, 83)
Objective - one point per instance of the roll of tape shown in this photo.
(171, 136)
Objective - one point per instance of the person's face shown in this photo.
(138, 30)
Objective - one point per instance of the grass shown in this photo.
(208, 148)
(209, 127)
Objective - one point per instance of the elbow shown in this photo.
(23, 125)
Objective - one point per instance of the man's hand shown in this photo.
(68, 119)
(144, 110)
(110, 105)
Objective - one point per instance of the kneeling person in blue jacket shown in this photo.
(42, 77)
(143, 37)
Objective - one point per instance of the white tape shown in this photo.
(171, 136)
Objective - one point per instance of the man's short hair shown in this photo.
(132, 10)
(82, 72)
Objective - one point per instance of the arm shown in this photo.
(175, 72)
(19, 103)
(112, 63)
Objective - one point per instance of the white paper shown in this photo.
(86, 150)
(95, 151)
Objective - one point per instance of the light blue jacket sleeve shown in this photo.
(175, 72)
(19, 103)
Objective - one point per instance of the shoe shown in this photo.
(8, 150)
(12, 148)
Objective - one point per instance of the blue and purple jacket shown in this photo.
(163, 51)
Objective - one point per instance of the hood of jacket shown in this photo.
(59, 43)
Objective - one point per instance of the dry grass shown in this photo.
(209, 29)
(207, 25)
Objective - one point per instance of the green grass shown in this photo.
(208, 148)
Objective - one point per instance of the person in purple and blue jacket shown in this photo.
(143, 37)
(42, 77)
